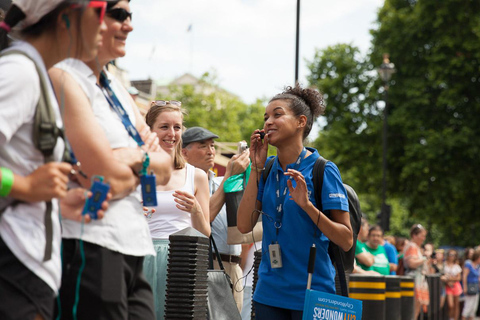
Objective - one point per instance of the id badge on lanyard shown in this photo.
(274, 249)
(147, 181)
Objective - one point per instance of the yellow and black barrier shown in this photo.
(407, 287)
(371, 291)
(393, 298)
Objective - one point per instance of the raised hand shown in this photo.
(150, 139)
(299, 194)
(187, 202)
(238, 163)
(258, 149)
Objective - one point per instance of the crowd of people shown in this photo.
(67, 124)
(377, 254)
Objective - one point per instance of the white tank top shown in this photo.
(167, 218)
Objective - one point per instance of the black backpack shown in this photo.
(343, 261)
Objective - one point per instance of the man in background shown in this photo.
(199, 151)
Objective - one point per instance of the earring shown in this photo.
(67, 20)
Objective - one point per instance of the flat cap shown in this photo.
(194, 134)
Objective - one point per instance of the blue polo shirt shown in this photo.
(392, 254)
(285, 287)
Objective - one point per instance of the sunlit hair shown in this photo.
(303, 101)
(153, 113)
(416, 229)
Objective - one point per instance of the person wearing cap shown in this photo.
(199, 151)
(46, 32)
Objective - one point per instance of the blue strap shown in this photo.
(282, 193)
(117, 107)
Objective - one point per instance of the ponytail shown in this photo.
(12, 18)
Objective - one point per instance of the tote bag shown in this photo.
(221, 305)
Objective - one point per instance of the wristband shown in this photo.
(257, 169)
(7, 182)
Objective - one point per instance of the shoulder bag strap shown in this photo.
(45, 134)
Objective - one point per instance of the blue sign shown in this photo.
(326, 306)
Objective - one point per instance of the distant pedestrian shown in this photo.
(416, 266)
(453, 275)
(471, 272)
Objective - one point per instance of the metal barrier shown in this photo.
(393, 298)
(408, 297)
(435, 290)
(371, 291)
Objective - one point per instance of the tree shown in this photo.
(221, 112)
(434, 127)
(350, 136)
(434, 144)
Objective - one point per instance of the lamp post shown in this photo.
(297, 42)
(385, 71)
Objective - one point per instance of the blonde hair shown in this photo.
(152, 115)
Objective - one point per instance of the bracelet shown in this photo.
(257, 169)
(7, 182)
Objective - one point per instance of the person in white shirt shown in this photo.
(182, 200)
(112, 284)
(46, 33)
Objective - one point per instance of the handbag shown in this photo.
(220, 305)
(472, 289)
(234, 188)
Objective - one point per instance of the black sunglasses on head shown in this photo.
(119, 14)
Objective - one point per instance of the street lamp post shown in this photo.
(297, 42)
(385, 71)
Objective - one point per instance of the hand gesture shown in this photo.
(258, 148)
(150, 139)
(71, 206)
(299, 194)
(187, 202)
(238, 163)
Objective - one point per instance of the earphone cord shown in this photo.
(79, 277)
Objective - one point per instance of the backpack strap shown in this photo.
(45, 135)
(333, 249)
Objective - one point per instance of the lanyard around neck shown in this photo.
(120, 111)
(281, 194)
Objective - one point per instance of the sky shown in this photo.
(248, 44)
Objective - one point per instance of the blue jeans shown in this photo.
(264, 312)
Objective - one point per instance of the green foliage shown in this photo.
(218, 110)
(350, 135)
(434, 122)
(435, 102)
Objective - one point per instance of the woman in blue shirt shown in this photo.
(291, 221)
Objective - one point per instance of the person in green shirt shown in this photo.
(374, 246)
(362, 256)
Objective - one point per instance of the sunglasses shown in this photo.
(119, 14)
(99, 6)
(163, 103)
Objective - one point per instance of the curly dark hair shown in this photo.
(303, 101)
